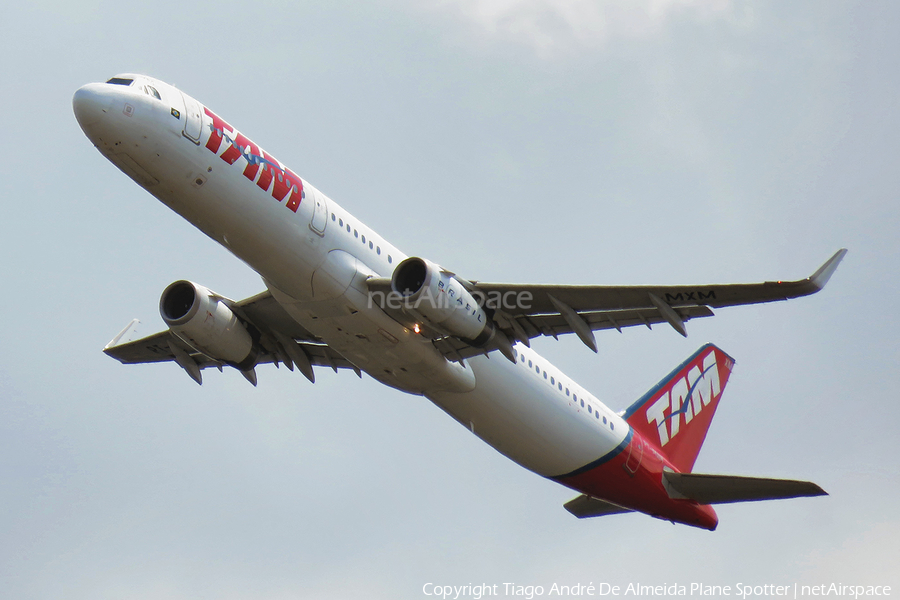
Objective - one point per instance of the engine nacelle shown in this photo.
(200, 318)
(440, 298)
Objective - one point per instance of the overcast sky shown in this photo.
(650, 141)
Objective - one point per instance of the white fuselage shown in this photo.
(315, 261)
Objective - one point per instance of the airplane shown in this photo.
(339, 295)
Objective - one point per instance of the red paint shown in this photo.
(233, 152)
(293, 202)
(284, 179)
(668, 428)
(265, 178)
(280, 187)
(641, 490)
(677, 416)
(215, 138)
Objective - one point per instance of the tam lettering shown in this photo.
(272, 176)
(685, 398)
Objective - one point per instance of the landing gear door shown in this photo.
(320, 211)
(192, 119)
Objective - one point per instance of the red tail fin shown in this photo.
(676, 414)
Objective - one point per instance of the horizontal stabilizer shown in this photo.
(585, 506)
(724, 489)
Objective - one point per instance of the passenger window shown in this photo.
(355, 233)
(529, 364)
(604, 420)
(590, 410)
(545, 374)
(333, 217)
(348, 227)
(390, 260)
(370, 244)
(378, 250)
(340, 222)
(567, 391)
(582, 404)
(560, 386)
(552, 381)
(363, 239)
(612, 425)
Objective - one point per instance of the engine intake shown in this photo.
(198, 316)
(427, 290)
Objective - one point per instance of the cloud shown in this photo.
(553, 27)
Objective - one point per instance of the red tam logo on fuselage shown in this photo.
(281, 179)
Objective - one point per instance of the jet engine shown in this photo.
(441, 299)
(200, 317)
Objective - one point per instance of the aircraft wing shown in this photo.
(281, 340)
(525, 311)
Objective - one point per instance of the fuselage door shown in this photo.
(192, 119)
(320, 211)
(635, 455)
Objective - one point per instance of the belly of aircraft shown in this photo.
(527, 420)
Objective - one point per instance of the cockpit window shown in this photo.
(120, 81)
(152, 91)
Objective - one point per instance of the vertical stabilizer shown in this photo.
(676, 414)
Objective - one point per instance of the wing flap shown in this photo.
(265, 312)
(725, 489)
(556, 325)
(154, 348)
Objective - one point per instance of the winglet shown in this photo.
(122, 333)
(821, 277)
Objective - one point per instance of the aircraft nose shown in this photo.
(91, 102)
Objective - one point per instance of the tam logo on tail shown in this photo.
(686, 398)
(677, 413)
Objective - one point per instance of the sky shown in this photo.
(650, 141)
